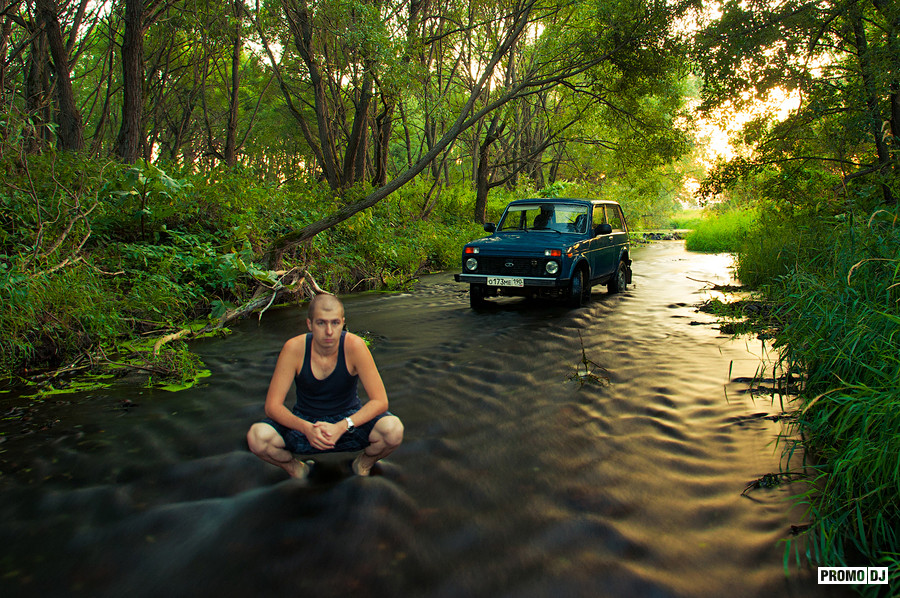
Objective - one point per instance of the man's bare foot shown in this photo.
(300, 469)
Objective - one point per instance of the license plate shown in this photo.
(506, 282)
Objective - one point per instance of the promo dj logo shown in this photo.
(853, 575)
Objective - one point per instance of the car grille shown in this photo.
(512, 266)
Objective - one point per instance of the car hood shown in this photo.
(525, 242)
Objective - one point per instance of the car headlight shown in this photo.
(552, 267)
(471, 264)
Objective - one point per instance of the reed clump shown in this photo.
(840, 293)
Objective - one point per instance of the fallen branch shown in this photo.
(260, 302)
(169, 338)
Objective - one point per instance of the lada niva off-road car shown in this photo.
(549, 248)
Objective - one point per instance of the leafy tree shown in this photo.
(608, 45)
(841, 57)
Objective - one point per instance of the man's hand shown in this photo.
(325, 435)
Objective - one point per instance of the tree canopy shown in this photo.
(842, 59)
(365, 95)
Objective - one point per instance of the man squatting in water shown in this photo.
(326, 365)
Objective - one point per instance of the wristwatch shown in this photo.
(350, 425)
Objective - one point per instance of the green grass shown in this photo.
(718, 233)
(838, 282)
(686, 220)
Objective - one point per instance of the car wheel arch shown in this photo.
(581, 264)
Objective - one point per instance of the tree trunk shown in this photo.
(301, 27)
(483, 170)
(892, 19)
(871, 93)
(37, 102)
(128, 143)
(231, 134)
(357, 144)
(383, 124)
(4, 43)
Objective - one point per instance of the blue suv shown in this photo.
(549, 248)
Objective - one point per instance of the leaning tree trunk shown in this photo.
(70, 131)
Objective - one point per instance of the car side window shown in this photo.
(614, 213)
(599, 218)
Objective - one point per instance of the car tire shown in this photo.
(620, 281)
(579, 290)
(476, 296)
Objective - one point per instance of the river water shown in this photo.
(517, 477)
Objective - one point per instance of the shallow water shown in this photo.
(514, 478)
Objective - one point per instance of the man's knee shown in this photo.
(260, 436)
(391, 430)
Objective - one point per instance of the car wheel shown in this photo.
(476, 296)
(579, 291)
(620, 281)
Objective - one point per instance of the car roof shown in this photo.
(571, 200)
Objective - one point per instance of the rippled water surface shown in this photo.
(515, 479)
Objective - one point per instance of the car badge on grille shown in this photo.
(509, 264)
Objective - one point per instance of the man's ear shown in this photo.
(309, 324)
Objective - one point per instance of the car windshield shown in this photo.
(562, 218)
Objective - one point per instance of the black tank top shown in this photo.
(335, 394)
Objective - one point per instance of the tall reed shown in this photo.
(842, 331)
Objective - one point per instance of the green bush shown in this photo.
(389, 245)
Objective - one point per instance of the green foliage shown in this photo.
(201, 251)
(838, 281)
(685, 220)
(177, 280)
(45, 203)
(838, 56)
(138, 202)
(721, 232)
(389, 245)
(47, 319)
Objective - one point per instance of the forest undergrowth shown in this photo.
(99, 261)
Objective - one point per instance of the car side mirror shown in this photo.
(489, 227)
(603, 229)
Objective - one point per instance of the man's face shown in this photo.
(326, 325)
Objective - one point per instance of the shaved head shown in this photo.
(324, 302)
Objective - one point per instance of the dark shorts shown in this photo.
(349, 442)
